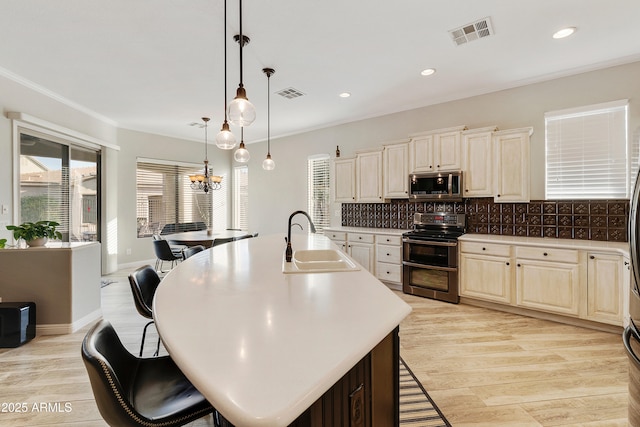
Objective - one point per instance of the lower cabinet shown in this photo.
(361, 248)
(485, 272)
(605, 299)
(570, 282)
(389, 259)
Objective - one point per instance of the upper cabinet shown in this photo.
(345, 180)
(435, 151)
(369, 176)
(395, 158)
(477, 162)
(511, 167)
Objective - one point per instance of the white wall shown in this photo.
(274, 195)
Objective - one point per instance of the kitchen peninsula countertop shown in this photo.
(263, 346)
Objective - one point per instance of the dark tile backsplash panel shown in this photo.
(604, 220)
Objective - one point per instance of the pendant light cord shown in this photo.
(225, 61)
(269, 114)
(241, 44)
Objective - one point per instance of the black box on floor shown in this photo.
(17, 323)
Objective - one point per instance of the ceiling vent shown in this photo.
(290, 93)
(476, 30)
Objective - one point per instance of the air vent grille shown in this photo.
(290, 93)
(476, 30)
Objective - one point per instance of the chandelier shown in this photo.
(205, 181)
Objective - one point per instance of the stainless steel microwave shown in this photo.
(436, 186)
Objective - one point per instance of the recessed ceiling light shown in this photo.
(344, 95)
(428, 71)
(565, 32)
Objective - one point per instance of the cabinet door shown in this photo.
(604, 288)
(396, 171)
(363, 254)
(421, 154)
(511, 166)
(477, 162)
(369, 176)
(345, 180)
(548, 286)
(446, 151)
(485, 277)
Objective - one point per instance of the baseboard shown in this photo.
(137, 264)
(68, 328)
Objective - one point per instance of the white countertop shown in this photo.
(588, 245)
(386, 231)
(263, 346)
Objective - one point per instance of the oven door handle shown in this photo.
(428, 267)
(429, 242)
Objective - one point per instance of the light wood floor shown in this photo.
(480, 366)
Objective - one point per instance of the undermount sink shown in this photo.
(318, 261)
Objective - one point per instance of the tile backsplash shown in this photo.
(604, 220)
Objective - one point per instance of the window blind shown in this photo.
(241, 198)
(164, 196)
(318, 190)
(587, 152)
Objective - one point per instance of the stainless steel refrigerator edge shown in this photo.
(631, 334)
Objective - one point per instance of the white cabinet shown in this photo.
(437, 150)
(339, 238)
(396, 170)
(389, 259)
(486, 271)
(477, 162)
(511, 165)
(369, 176)
(345, 180)
(360, 247)
(605, 300)
(548, 279)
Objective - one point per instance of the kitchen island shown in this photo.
(272, 349)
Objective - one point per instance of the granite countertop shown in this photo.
(263, 346)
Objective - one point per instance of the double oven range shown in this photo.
(430, 256)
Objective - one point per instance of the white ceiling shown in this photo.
(157, 65)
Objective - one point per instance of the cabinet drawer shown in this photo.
(485, 248)
(389, 272)
(336, 235)
(389, 240)
(359, 237)
(547, 254)
(391, 254)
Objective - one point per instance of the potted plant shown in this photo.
(36, 233)
(2, 243)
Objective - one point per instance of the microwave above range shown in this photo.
(436, 186)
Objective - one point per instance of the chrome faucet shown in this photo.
(289, 251)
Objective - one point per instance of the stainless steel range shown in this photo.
(430, 256)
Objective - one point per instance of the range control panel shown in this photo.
(439, 218)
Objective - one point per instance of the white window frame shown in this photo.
(241, 197)
(319, 190)
(587, 154)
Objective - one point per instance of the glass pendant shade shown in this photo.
(268, 164)
(242, 154)
(241, 112)
(225, 140)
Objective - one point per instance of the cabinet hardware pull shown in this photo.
(626, 263)
(388, 254)
(498, 195)
(484, 249)
(545, 254)
(507, 263)
(592, 257)
(518, 265)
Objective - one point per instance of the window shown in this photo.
(164, 199)
(318, 190)
(240, 197)
(587, 155)
(60, 182)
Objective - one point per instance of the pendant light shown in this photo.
(205, 182)
(225, 139)
(241, 112)
(242, 154)
(268, 164)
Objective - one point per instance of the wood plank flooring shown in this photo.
(481, 367)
